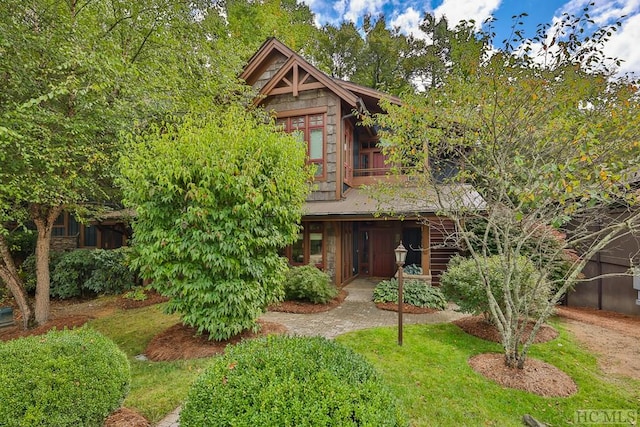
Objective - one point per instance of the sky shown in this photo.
(407, 14)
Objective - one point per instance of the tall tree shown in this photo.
(549, 147)
(74, 76)
(216, 198)
(339, 50)
(382, 61)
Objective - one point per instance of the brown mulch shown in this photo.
(151, 297)
(536, 377)
(183, 342)
(125, 417)
(479, 327)
(299, 307)
(61, 323)
(406, 308)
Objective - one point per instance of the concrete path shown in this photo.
(356, 312)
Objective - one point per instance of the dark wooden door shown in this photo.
(383, 258)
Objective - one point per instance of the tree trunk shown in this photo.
(43, 217)
(9, 274)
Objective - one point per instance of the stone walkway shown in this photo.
(356, 312)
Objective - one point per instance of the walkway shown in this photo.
(356, 312)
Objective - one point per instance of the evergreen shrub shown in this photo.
(64, 378)
(290, 381)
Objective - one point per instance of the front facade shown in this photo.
(342, 233)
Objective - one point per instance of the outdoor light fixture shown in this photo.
(401, 256)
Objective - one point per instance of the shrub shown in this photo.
(462, 284)
(415, 292)
(111, 274)
(83, 271)
(413, 269)
(290, 381)
(307, 283)
(64, 378)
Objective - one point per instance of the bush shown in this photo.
(64, 378)
(83, 271)
(414, 292)
(462, 284)
(413, 269)
(290, 381)
(307, 283)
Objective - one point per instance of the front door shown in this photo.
(383, 243)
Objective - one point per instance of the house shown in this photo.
(109, 230)
(343, 232)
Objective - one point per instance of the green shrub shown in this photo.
(413, 269)
(83, 272)
(290, 381)
(111, 274)
(64, 378)
(462, 284)
(22, 243)
(415, 292)
(307, 283)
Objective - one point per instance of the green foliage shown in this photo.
(413, 269)
(216, 198)
(414, 292)
(463, 284)
(308, 283)
(280, 381)
(22, 243)
(84, 272)
(64, 378)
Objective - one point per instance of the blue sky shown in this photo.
(406, 14)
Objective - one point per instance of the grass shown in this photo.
(433, 381)
(429, 374)
(157, 388)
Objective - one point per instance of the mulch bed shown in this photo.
(406, 308)
(299, 307)
(125, 417)
(182, 342)
(536, 377)
(66, 322)
(479, 327)
(151, 297)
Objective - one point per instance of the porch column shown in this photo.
(426, 249)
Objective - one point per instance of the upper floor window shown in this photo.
(310, 129)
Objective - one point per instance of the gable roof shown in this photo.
(298, 74)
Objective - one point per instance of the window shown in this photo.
(309, 248)
(311, 129)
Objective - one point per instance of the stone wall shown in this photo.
(63, 243)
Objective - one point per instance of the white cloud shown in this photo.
(356, 9)
(408, 21)
(624, 45)
(466, 10)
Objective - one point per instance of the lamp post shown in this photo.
(401, 256)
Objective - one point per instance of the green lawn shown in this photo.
(429, 374)
(157, 388)
(433, 381)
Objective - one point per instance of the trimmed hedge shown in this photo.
(84, 272)
(414, 292)
(290, 381)
(63, 378)
(308, 283)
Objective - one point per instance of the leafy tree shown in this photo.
(549, 142)
(252, 22)
(381, 62)
(339, 50)
(74, 76)
(216, 198)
